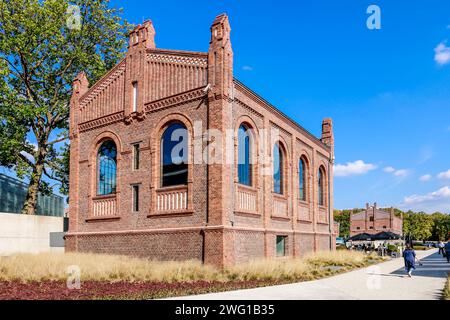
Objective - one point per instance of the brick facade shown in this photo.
(373, 220)
(221, 222)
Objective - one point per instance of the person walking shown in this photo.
(409, 256)
(447, 251)
(441, 247)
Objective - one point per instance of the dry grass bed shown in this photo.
(447, 289)
(129, 278)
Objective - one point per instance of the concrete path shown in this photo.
(386, 280)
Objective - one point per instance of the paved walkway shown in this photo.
(386, 280)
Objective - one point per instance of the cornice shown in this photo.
(269, 107)
(101, 122)
(175, 100)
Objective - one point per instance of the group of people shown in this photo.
(409, 255)
(444, 249)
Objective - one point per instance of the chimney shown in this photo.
(327, 132)
(220, 58)
(143, 34)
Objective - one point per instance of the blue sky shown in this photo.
(387, 90)
(388, 96)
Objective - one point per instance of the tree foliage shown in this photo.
(343, 217)
(417, 225)
(41, 52)
(441, 226)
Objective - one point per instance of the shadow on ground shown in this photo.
(434, 266)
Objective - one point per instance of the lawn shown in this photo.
(44, 276)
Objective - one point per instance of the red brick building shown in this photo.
(257, 194)
(373, 221)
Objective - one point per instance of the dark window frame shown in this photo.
(174, 172)
(278, 175)
(302, 173)
(280, 241)
(107, 168)
(136, 156)
(321, 186)
(245, 168)
(135, 197)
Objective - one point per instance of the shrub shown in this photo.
(392, 248)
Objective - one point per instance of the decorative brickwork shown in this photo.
(212, 217)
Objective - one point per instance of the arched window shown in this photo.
(107, 168)
(174, 156)
(302, 179)
(321, 186)
(244, 156)
(278, 169)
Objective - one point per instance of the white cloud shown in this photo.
(425, 178)
(442, 53)
(401, 173)
(434, 201)
(247, 68)
(444, 175)
(358, 167)
(395, 172)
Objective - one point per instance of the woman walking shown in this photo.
(409, 255)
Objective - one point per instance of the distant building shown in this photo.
(373, 220)
(12, 197)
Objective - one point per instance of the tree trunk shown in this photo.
(29, 207)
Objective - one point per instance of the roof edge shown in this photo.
(282, 114)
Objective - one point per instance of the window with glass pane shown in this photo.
(321, 187)
(135, 198)
(107, 168)
(136, 156)
(244, 149)
(174, 156)
(277, 170)
(281, 246)
(302, 177)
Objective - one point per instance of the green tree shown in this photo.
(43, 46)
(418, 225)
(343, 217)
(441, 226)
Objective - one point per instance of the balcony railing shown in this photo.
(280, 207)
(246, 200)
(104, 207)
(304, 211)
(172, 200)
(323, 215)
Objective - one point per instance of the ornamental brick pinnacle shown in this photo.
(212, 218)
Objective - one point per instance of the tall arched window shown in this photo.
(302, 179)
(278, 169)
(174, 156)
(107, 168)
(321, 186)
(244, 156)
